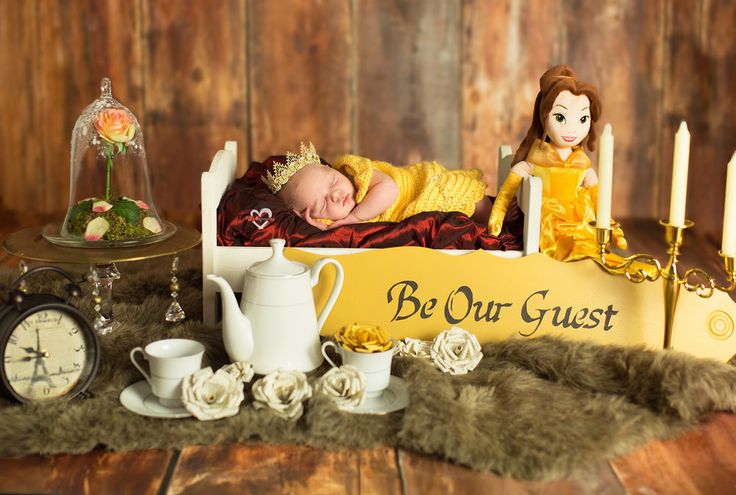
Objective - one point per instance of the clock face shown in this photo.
(45, 355)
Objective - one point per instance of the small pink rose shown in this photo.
(101, 206)
(142, 204)
(96, 229)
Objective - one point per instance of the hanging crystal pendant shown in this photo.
(102, 277)
(174, 313)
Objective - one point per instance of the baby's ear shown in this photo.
(298, 213)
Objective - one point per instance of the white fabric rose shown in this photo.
(456, 351)
(344, 385)
(283, 391)
(241, 371)
(209, 395)
(414, 348)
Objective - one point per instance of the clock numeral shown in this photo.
(46, 390)
(73, 331)
(26, 324)
(77, 366)
(13, 339)
(79, 348)
(7, 359)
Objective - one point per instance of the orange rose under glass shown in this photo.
(110, 202)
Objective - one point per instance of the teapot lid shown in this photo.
(277, 265)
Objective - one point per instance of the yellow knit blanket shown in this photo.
(423, 186)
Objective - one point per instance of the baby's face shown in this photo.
(322, 190)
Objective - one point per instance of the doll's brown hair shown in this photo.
(553, 82)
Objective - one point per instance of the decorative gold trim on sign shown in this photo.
(720, 325)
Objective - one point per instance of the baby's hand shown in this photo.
(306, 216)
(348, 220)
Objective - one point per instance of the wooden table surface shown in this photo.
(702, 461)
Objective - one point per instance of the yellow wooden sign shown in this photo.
(418, 292)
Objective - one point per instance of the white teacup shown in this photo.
(169, 360)
(376, 366)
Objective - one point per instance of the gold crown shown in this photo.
(283, 172)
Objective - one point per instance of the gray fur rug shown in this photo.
(533, 409)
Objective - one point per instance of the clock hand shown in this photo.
(26, 358)
(39, 365)
(31, 350)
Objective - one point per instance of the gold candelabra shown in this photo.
(640, 267)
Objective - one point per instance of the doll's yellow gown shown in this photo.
(567, 207)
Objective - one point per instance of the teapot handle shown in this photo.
(339, 277)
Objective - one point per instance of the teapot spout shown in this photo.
(237, 334)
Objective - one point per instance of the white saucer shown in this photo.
(139, 399)
(394, 398)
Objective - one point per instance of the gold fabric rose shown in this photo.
(344, 385)
(209, 395)
(283, 391)
(241, 371)
(414, 348)
(359, 337)
(115, 126)
(455, 351)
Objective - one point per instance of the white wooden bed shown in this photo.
(230, 262)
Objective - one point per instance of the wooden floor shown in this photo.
(699, 462)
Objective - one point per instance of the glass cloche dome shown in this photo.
(110, 201)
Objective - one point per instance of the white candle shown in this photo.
(679, 176)
(605, 178)
(728, 247)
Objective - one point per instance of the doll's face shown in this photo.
(320, 189)
(568, 123)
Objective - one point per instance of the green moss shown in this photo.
(121, 227)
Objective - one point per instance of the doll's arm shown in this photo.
(590, 179)
(591, 182)
(507, 191)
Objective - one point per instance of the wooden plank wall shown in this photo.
(399, 80)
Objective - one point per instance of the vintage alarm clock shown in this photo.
(49, 348)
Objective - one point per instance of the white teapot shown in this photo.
(276, 325)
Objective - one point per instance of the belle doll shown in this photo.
(564, 113)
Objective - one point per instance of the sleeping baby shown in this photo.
(356, 189)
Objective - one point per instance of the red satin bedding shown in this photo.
(249, 215)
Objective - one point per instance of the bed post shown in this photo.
(529, 197)
(214, 182)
